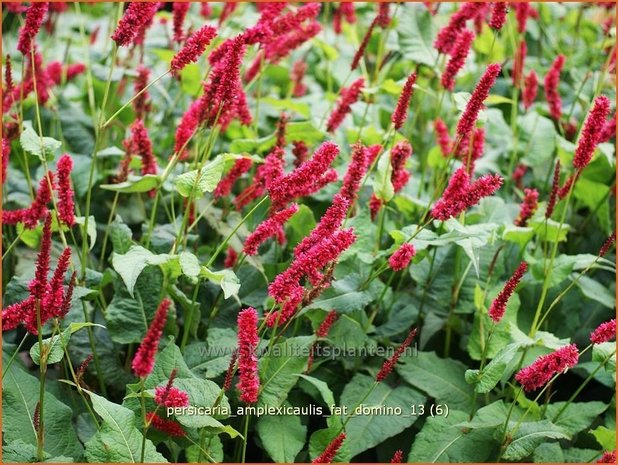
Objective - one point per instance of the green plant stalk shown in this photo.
(40, 436)
(10, 362)
(256, 124)
(189, 317)
(245, 438)
(454, 299)
(581, 387)
(351, 415)
(112, 214)
(146, 425)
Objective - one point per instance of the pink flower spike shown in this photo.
(553, 196)
(66, 205)
(498, 306)
(137, 17)
(143, 362)
(141, 104)
(248, 340)
(356, 171)
(609, 242)
(389, 364)
(401, 110)
(442, 136)
(552, 79)
(325, 326)
(329, 223)
(604, 333)
(528, 207)
(480, 93)
(268, 228)
(179, 12)
(457, 59)
(241, 166)
(171, 397)
(531, 86)
(331, 450)
(402, 257)
(32, 24)
(545, 367)
(193, 48)
(591, 133)
(348, 96)
(498, 15)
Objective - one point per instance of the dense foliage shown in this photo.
(308, 232)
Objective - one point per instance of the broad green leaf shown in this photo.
(131, 264)
(283, 436)
(120, 235)
(118, 439)
(197, 182)
(605, 353)
(367, 430)
(538, 139)
(213, 357)
(382, 185)
(19, 452)
(440, 378)
(323, 389)
(54, 347)
(549, 230)
(442, 440)
(415, 31)
(20, 394)
(189, 264)
(605, 436)
(320, 440)
(289, 105)
(202, 393)
(305, 131)
(92, 229)
(576, 417)
(227, 279)
(43, 147)
(134, 184)
(596, 291)
(493, 372)
(280, 368)
(520, 235)
(529, 436)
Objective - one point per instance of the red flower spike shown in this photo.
(591, 133)
(8, 75)
(141, 104)
(609, 130)
(231, 258)
(179, 13)
(296, 77)
(383, 19)
(348, 96)
(474, 105)
(331, 450)
(531, 86)
(498, 306)
(402, 257)
(361, 49)
(172, 397)
(457, 59)
(397, 457)
(240, 167)
(609, 242)
(399, 156)
(331, 221)
(143, 362)
(442, 136)
(552, 79)
(356, 171)
(401, 110)
(66, 204)
(553, 196)
(229, 375)
(193, 48)
(268, 228)
(389, 364)
(67, 301)
(608, 457)
(248, 340)
(325, 326)
(498, 15)
(38, 286)
(447, 36)
(375, 204)
(300, 152)
(137, 17)
(545, 367)
(527, 207)
(169, 427)
(604, 333)
(32, 24)
(523, 11)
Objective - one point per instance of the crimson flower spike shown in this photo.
(545, 367)
(331, 450)
(531, 86)
(527, 207)
(604, 333)
(272, 226)
(389, 364)
(248, 340)
(591, 133)
(141, 104)
(553, 196)
(193, 48)
(66, 204)
(325, 326)
(401, 110)
(397, 457)
(457, 59)
(348, 96)
(481, 92)
(552, 79)
(498, 306)
(137, 16)
(498, 15)
(609, 242)
(32, 24)
(402, 257)
(179, 12)
(143, 362)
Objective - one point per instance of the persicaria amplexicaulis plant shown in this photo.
(307, 232)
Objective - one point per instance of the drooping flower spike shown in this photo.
(273, 226)
(240, 167)
(169, 427)
(348, 96)
(545, 367)
(607, 245)
(591, 133)
(447, 36)
(179, 13)
(328, 322)
(401, 257)
(457, 59)
(193, 48)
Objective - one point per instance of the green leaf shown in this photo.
(323, 389)
(118, 439)
(227, 279)
(320, 440)
(605, 436)
(529, 436)
(382, 185)
(493, 372)
(305, 131)
(442, 440)
(201, 181)
(365, 431)
(538, 138)
(43, 147)
(415, 31)
(330, 52)
(213, 358)
(289, 105)
(20, 394)
(131, 264)
(596, 291)
(19, 452)
(280, 367)
(283, 436)
(520, 235)
(440, 378)
(576, 417)
(54, 347)
(189, 264)
(120, 235)
(92, 228)
(549, 230)
(605, 353)
(202, 393)
(134, 184)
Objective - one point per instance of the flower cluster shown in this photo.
(34, 18)
(143, 362)
(325, 326)
(545, 367)
(605, 332)
(552, 79)
(240, 167)
(531, 86)
(248, 340)
(401, 110)
(402, 257)
(460, 194)
(331, 450)
(457, 59)
(591, 133)
(273, 226)
(193, 48)
(447, 36)
(348, 96)
(527, 207)
(498, 306)
(136, 19)
(389, 364)
(170, 396)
